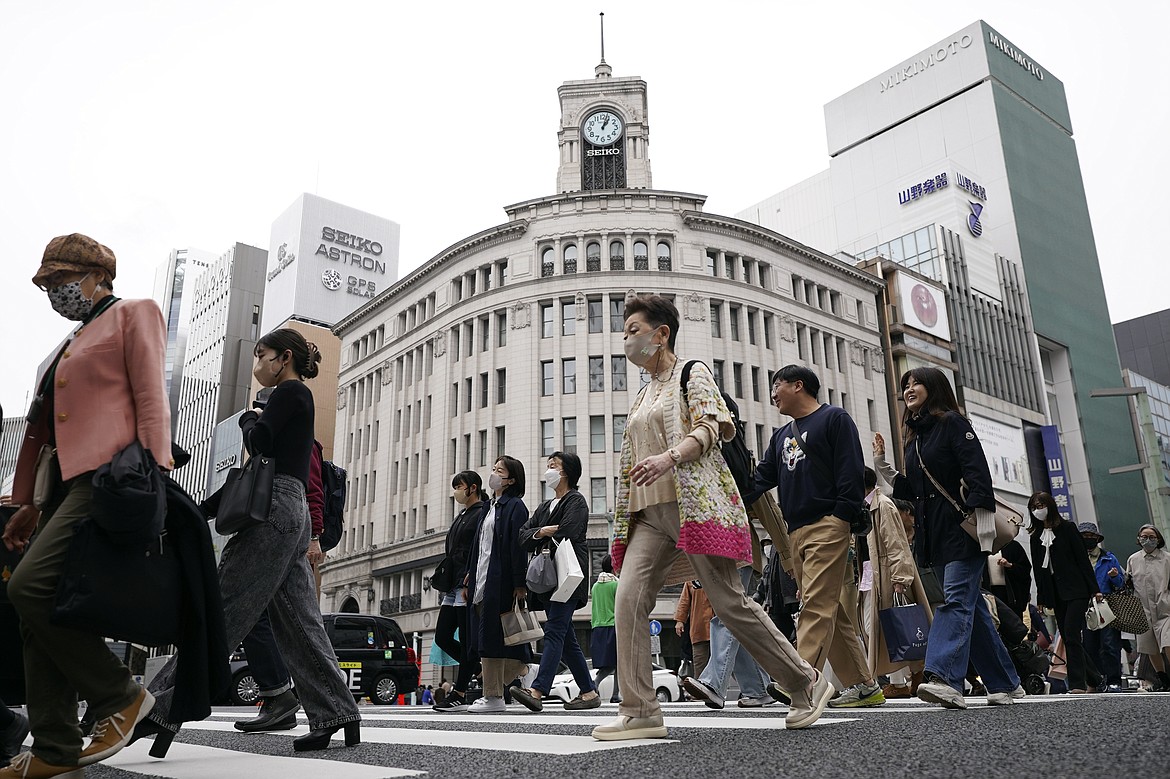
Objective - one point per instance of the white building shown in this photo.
(172, 283)
(510, 341)
(217, 368)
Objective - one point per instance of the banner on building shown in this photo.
(1057, 478)
(1007, 457)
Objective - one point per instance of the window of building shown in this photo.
(546, 378)
(427, 413)
(485, 275)
(760, 443)
(485, 333)
(596, 374)
(617, 314)
(801, 351)
(466, 452)
(755, 383)
(455, 399)
(664, 263)
(617, 255)
(737, 378)
(716, 320)
(569, 375)
(729, 267)
(765, 276)
(593, 257)
(617, 371)
(597, 434)
(751, 320)
(547, 444)
(568, 318)
(483, 438)
(767, 331)
(548, 264)
(454, 345)
(596, 315)
(500, 441)
(733, 314)
(712, 259)
(483, 390)
(469, 339)
(502, 273)
(570, 253)
(501, 328)
(641, 256)
(717, 369)
(619, 431)
(501, 385)
(467, 393)
(597, 496)
(569, 434)
(547, 327)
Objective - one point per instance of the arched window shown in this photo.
(593, 256)
(570, 259)
(641, 256)
(617, 255)
(664, 256)
(547, 262)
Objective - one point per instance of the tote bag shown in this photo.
(520, 626)
(905, 628)
(246, 497)
(1098, 615)
(569, 574)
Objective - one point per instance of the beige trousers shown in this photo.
(827, 628)
(651, 550)
(498, 671)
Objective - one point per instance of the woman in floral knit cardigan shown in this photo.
(679, 516)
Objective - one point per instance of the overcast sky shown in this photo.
(151, 126)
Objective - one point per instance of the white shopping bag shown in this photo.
(1098, 615)
(569, 574)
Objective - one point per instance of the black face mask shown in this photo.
(1090, 543)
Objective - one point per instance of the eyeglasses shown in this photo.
(1147, 538)
(58, 278)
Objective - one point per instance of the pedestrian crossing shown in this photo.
(225, 752)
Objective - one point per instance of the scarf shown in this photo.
(1046, 539)
(606, 577)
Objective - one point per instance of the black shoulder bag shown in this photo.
(862, 522)
(246, 497)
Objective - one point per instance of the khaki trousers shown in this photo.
(651, 551)
(62, 665)
(827, 629)
(701, 655)
(498, 671)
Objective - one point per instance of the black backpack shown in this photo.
(735, 452)
(333, 485)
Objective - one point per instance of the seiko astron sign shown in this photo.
(325, 260)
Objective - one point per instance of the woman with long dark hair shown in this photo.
(497, 569)
(941, 444)
(1064, 579)
(453, 612)
(265, 567)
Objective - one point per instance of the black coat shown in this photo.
(1071, 576)
(952, 452)
(572, 517)
(1018, 577)
(507, 570)
(201, 670)
(460, 536)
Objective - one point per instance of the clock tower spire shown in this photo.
(604, 131)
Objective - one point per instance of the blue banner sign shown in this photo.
(1057, 477)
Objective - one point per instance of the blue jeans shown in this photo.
(1103, 648)
(265, 661)
(264, 567)
(728, 655)
(560, 642)
(963, 632)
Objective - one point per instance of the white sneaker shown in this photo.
(808, 704)
(942, 694)
(756, 701)
(487, 705)
(1005, 698)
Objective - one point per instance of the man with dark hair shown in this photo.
(815, 462)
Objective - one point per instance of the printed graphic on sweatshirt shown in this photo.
(793, 454)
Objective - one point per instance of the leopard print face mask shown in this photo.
(68, 300)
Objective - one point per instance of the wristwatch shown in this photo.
(675, 455)
(314, 538)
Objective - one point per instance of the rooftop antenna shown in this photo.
(602, 70)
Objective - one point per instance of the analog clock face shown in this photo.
(602, 128)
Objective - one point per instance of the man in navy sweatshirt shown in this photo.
(820, 484)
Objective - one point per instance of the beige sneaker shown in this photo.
(624, 728)
(808, 704)
(26, 765)
(112, 733)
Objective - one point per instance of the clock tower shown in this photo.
(604, 133)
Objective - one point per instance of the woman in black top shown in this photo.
(453, 611)
(265, 567)
(1064, 579)
(565, 520)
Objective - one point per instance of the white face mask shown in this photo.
(1040, 514)
(461, 496)
(495, 482)
(552, 477)
(639, 348)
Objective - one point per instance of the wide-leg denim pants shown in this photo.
(264, 567)
(729, 656)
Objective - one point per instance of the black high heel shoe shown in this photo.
(316, 740)
(162, 736)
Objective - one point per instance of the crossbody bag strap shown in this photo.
(818, 462)
(934, 481)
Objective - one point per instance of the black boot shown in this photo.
(1163, 682)
(163, 736)
(276, 713)
(318, 739)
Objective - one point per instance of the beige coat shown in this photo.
(892, 563)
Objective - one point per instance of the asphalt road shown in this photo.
(1059, 736)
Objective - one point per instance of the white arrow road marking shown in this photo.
(191, 761)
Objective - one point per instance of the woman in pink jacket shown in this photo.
(103, 389)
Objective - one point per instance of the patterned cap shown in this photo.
(1089, 527)
(75, 252)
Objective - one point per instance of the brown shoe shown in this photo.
(892, 691)
(112, 733)
(26, 765)
(915, 680)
